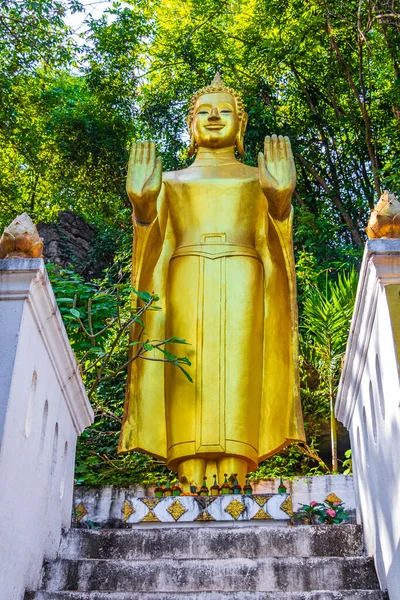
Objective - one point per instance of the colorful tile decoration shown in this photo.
(80, 512)
(262, 515)
(150, 518)
(128, 510)
(235, 508)
(333, 498)
(287, 506)
(176, 510)
(204, 516)
(151, 503)
(190, 509)
(262, 499)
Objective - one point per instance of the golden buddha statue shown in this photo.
(214, 241)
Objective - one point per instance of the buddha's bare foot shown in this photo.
(191, 472)
(232, 465)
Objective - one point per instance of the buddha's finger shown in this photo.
(261, 167)
(281, 147)
(152, 153)
(274, 147)
(155, 179)
(131, 165)
(264, 174)
(291, 161)
(146, 153)
(140, 150)
(132, 154)
(267, 148)
(288, 148)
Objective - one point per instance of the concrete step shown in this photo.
(213, 542)
(316, 595)
(195, 575)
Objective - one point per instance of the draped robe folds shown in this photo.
(244, 401)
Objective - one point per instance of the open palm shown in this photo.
(144, 179)
(277, 174)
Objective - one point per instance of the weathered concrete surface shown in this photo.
(319, 595)
(212, 563)
(194, 575)
(210, 543)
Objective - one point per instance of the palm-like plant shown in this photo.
(325, 322)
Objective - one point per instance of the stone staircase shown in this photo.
(263, 562)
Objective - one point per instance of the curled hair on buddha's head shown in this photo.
(218, 86)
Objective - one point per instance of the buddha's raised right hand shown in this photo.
(277, 174)
(143, 182)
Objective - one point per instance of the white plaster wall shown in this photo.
(306, 489)
(368, 405)
(43, 407)
(375, 438)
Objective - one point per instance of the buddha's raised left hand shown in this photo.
(277, 174)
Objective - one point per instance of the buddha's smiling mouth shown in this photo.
(216, 126)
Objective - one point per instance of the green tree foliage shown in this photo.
(324, 72)
(98, 317)
(325, 322)
(66, 117)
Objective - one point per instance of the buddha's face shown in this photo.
(215, 122)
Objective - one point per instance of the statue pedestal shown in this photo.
(227, 509)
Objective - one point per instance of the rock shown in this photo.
(70, 242)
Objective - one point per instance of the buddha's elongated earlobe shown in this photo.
(193, 145)
(240, 135)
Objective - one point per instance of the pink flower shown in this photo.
(313, 503)
(331, 512)
(337, 503)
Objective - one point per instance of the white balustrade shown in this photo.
(43, 408)
(368, 404)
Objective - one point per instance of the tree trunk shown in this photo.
(333, 430)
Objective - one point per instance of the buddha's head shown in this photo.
(217, 118)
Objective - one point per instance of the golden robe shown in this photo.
(224, 271)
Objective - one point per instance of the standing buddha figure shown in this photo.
(214, 241)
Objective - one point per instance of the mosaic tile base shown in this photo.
(186, 509)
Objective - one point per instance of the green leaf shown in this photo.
(176, 340)
(185, 373)
(137, 319)
(170, 357)
(185, 360)
(75, 313)
(148, 347)
(145, 296)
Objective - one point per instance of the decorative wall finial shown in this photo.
(21, 239)
(384, 221)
